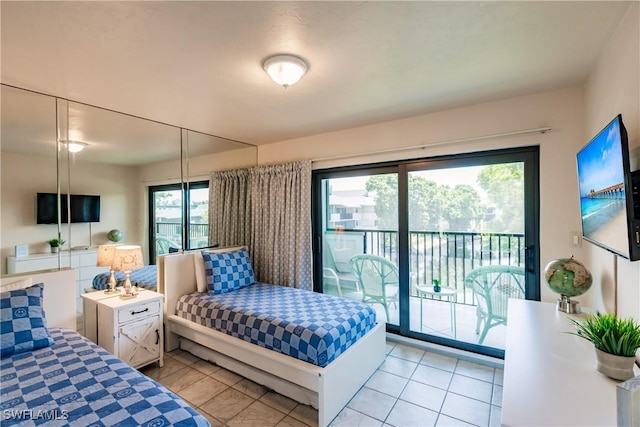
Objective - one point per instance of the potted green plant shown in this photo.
(55, 244)
(616, 342)
(436, 285)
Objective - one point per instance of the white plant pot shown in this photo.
(54, 249)
(616, 367)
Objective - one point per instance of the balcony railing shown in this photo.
(198, 233)
(447, 256)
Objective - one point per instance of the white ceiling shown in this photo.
(198, 64)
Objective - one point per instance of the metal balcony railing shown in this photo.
(198, 233)
(446, 256)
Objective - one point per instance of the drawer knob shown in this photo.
(138, 312)
(157, 337)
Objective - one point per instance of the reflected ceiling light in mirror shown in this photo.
(74, 146)
(285, 70)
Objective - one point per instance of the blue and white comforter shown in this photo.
(75, 382)
(145, 277)
(306, 325)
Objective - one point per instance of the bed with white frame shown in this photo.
(327, 388)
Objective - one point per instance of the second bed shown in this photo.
(314, 348)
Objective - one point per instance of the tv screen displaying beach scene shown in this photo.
(601, 175)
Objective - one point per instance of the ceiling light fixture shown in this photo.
(285, 70)
(74, 146)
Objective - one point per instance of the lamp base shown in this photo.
(129, 291)
(112, 284)
(566, 305)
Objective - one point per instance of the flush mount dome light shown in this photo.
(285, 69)
(74, 146)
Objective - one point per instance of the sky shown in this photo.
(600, 162)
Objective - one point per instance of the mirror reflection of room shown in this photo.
(94, 165)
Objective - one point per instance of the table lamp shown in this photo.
(105, 259)
(127, 258)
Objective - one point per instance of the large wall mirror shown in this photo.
(122, 157)
(28, 155)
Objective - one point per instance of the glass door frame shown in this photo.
(528, 155)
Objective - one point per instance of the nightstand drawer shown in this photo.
(138, 311)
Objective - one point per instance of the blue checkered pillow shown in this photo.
(23, 326)
(227, 271)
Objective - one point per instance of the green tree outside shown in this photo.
(504, 184)
(430, 205)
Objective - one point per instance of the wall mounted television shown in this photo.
(84, 208)
(610, 219)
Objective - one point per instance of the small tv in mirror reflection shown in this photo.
(84, 208)
(606, 192)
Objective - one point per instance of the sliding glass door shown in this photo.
(359, 239)
(171, 220)
(461, 233)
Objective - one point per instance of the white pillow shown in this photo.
(25, 283)
(201, 279)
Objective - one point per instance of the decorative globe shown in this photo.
(115, 235)
(567, 276)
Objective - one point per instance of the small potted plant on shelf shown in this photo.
(436, 285)
(616, 342)
(55, 244)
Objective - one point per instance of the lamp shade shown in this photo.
(105, 255)
(285, 69)
(127, 258)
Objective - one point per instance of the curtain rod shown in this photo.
(541, 130)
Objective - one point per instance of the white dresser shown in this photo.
(550, 376)
(83, 261)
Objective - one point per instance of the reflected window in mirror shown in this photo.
(168, 213)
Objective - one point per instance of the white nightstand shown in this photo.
(131, 329)
(90, 312)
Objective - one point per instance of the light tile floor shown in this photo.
(412, 387)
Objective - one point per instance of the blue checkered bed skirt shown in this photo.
(145, 277)
(76, 383)
(309, 326)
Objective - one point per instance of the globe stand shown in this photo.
(566, 305)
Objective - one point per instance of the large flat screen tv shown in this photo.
(606, 192)
(84, 208)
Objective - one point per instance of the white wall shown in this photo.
(613, 88)
(24, 176)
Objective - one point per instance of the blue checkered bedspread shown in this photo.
(145, 277)
(76, 383)
(309, 326)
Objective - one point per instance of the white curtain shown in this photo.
(230, 208)
(273, 216)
